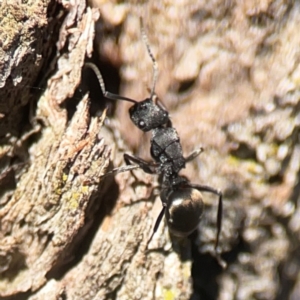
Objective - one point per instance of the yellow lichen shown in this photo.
(169, 295)
(85, 189)
(64, 177)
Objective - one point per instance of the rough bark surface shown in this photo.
(53, 201)
(229, 75)
(25, 40)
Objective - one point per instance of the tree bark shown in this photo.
(55, 199)
(229, 76)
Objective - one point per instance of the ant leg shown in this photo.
(204, 188)
(120, 170)
(194, 154)
(158, 220)
(150, 168)
(138, 164)
(147, 167)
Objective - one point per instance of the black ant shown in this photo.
(181, 200)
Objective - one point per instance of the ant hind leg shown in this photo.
(208, 189)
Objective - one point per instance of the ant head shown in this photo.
(147, 114)
(184, 210)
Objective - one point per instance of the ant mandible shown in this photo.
(182, 202)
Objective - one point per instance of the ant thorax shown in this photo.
(166, 149)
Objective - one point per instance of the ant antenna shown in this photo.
(102, 85)
(98, 75)
(145, 39)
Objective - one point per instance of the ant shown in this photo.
(182, 203)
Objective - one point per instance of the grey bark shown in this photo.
(229, 75)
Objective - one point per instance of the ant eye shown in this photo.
(142, 124)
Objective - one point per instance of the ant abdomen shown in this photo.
(184, 210)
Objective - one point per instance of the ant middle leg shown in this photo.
(194, 154)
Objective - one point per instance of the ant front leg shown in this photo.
(147, 167)
(138, 163)
(120, 170)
